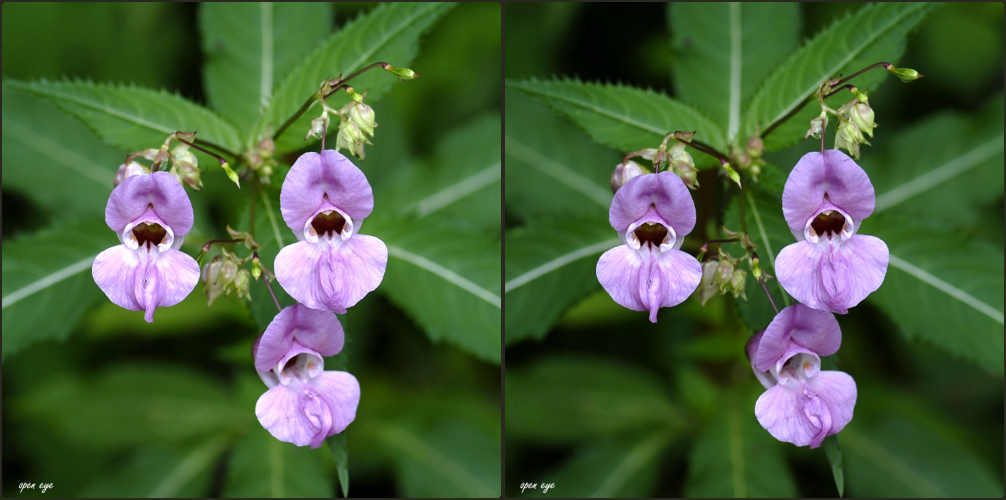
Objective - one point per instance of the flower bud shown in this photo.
(737, 281)
(624, 172)
(724, 271)
(363, 116)
(351, 138)
(817, 126)
(905, 74)
(755, 147)
(185, 168)
(228, 270)
(126, 171)
(241, 283)
(319, 126)
(707, 286)
(861, 114)
(211, 280)
(849, 137)
(403, 74)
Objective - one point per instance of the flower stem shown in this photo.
(193, 146)
(269, 277)
(206, 247)
(884, 65)
(761, 280)
(307, 105)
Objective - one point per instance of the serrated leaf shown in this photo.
(55, 160)
(607, 469)
(261, 466)
(734, 457)
(389, 33)
(943, 289)
(550, 265)
(875, 33)
(132, 118)
(568, 399)
(446, 278)
(551, 167)
(47, 283)
(159, 472)
(899, 459)
(453, 461)
(624, 118)
(724, 51)
(250, 46)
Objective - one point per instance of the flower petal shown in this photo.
(674, 276)
(833, 278)
(618, 271)
(315, 176)
(812, 329)
(341, 391)
(317, 330)
(294, 417)
(114, 270)
(838, 390)
(130, 199)
(780, 410)
(833, 174)
(141, 281)
(664, 191)
(332, 277)
(647, 282)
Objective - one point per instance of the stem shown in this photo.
(269, 277)
(709, 150)
(251, 216)
(193, 146)
(864, 70)
(744, 219)
(206, 247)
(307, 105)
(274, 299)
(264, 269)
(769, 295)
(789, 115)
(323, 134)
(212, 145)
(839, 89)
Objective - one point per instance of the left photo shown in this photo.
(252, 250)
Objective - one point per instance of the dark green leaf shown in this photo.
(157, 472)
(263, 467)
(54, 159)
(550, 265)
(337, 444)
(834, 454)
(132, 118)
(723, 52)
(273, 234)
(250, 46)
(47, 283)
(571, 399)
(623, 118)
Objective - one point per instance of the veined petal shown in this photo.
(813, 329)
(664, 191)
(838, 390)
(294, 417)
(314, 177)
(115, 270)
(141, 281)
(332, 277)
(130, 199)
(833, 278)
(833, 174)
(781, 411)
(341, 392)
(317, 330)
(673, 277)
(618, 271)
(648, 281)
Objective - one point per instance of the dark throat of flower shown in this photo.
(328, 221)
(651, 233)
(828, 221)
(153, 234)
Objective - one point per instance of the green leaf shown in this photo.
(947, 179)
(943, 289)
(724, 51)
(551, 167)
(453, 461)
(390, 33)
(900, 459)
(550, 266)
(249, 46)
(608, 469)
(446, 278)
(875, 33)
(131, 405)
(570, 399)
(54, 159)
(623, 118)
(261, 466)
(767, 229)
(158, 472)
(735, 457)
(47, 283)
(834, 454)
(337, 444)
(132, 118)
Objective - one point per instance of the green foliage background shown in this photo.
(98, 402)
(602, 403)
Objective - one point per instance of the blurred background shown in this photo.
(119, 407)
(607, 404)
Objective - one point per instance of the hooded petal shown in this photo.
(833, 174)
(315, 176)
(332, 277)
(317, 330)
(833, 278)
(294, 417)
(647, 282)
(141, 281)
(664, 191)
(793, 417)
(838, 390)
(130, 199)
(341, 392)
(813, 329)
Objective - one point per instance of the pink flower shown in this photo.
(324, 201)
(803, 405)
(304, 404)
(652, 214)
(150, 214)
(830, 267)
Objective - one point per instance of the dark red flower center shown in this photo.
(149, 233)
(328, 221)
(651, 233)
(828, 221)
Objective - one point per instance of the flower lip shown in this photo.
(299, 364)
(152, 233)
(146, 233)
(328, 223)
(829, 222)
(650, 233)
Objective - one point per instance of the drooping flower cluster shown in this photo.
(802, 404)
(652, 214)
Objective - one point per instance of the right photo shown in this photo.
(753, 250)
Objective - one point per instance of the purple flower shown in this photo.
(830, 267)
(652, 214)
(150, 214)
(803, 405)
(324, 201)
(304, 404)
